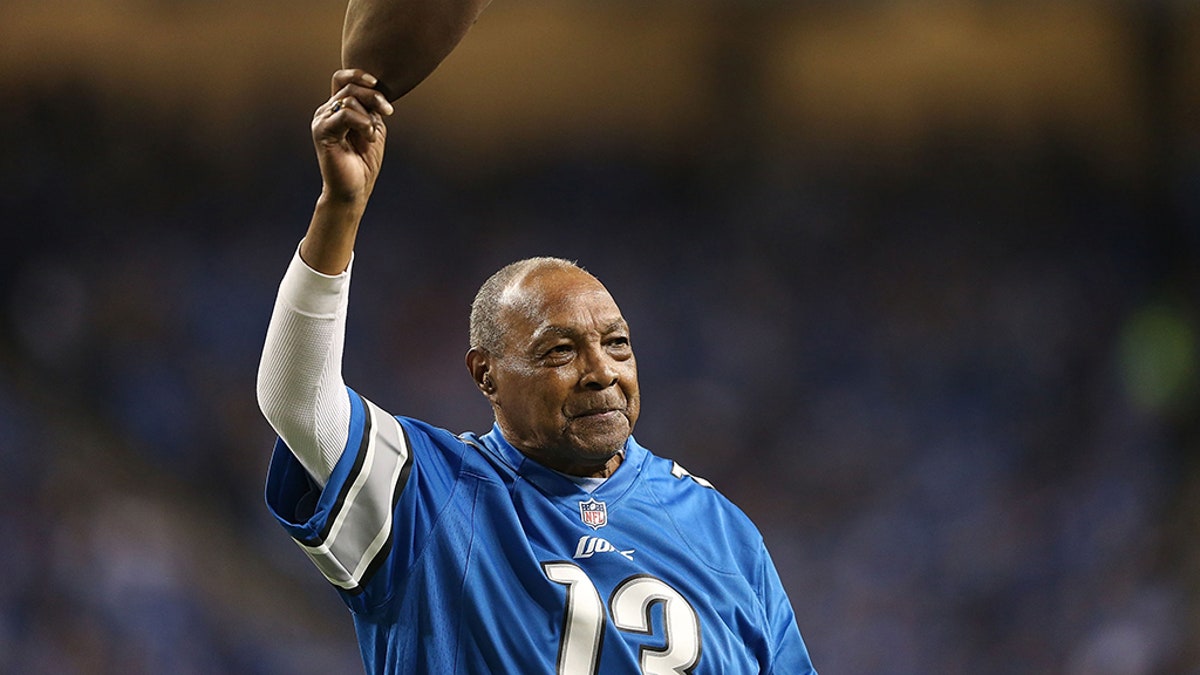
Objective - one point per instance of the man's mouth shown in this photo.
(597, 414)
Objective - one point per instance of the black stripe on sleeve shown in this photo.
(359, 459)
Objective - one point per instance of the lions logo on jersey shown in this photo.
(594, 514)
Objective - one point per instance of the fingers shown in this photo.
(352, 90)
(357, 97)
(340, 116)
(353, 81)
(353, 107)
(346, 76)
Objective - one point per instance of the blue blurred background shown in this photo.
(914, 283)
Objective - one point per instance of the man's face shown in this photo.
(566, 390)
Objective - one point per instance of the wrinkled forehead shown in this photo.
(553, 296)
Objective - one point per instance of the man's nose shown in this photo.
(599, 370)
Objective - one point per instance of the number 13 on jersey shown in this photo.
(629, 605)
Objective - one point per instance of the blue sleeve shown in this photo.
(380, 502)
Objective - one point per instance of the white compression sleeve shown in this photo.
(300, 386)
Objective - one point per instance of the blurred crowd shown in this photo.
(956, 392)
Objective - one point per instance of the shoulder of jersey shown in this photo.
(672, 478)
(671, 473)
(716, 531)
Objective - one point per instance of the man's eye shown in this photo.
(559, 350)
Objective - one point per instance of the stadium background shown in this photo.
(913, 283)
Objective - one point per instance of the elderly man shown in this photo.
(554, 543)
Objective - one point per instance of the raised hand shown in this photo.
(349, 135)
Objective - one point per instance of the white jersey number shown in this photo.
(583, 625)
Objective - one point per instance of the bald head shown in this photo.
(500, 292)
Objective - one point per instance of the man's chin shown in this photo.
(602, 443)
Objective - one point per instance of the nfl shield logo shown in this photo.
(594, 514)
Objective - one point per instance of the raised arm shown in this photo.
(300, 386)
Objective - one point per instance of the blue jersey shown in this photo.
(458, 554)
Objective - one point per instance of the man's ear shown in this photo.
(479, 364)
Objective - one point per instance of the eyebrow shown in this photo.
(568, 332)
